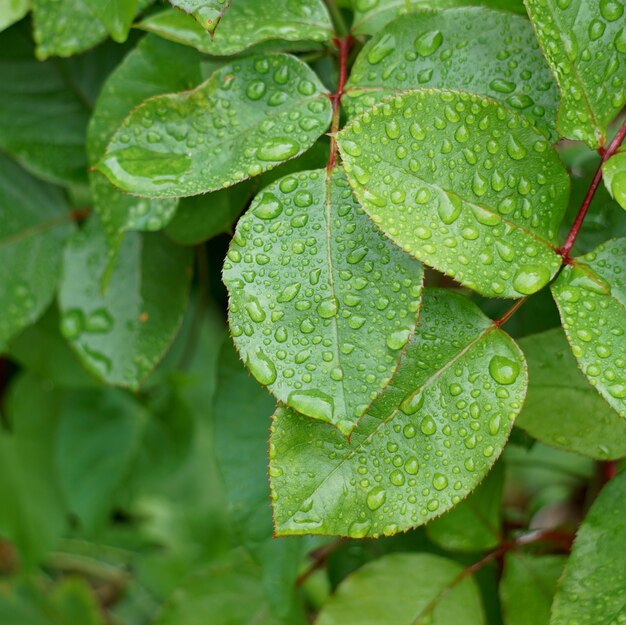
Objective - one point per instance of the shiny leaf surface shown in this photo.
(207, 12)
(115, 15)
(614, 176)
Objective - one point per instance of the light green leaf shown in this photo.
(34, 225)
(13, 11)
(370, 16)
(405, 589)
(528, 586)
(562, 409)
(120, 333)
(249, 117)
(591, 295)
(614, 176)
(463, 184)
(442, 50)
(339, 300)
(423, 445)
(115, 15)
(247, 23)
(475, 523)
(592, 590)
(585, 44)
(207, 12)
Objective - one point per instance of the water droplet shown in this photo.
(278, 149)
(515, 149)
(428, 43)
(398, 339)
(530, 279)
(381, 49)
(611, 9)
(261, 367)
(268, 207)
(359, 529)
(428, 426)
(256, 90)
(503, 370)
(255, 310)
(289, 292)
(72, 324)
(327, 308)
(412, 403)
(440, 481)
(376, 498)
(313, 403)
(397, 478)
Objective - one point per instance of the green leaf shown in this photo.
(585, 45)
(121, 333)
(423, 445)
(475, 523)
(529, 581)
(247, 23)
(593, 587)
(115, 15)
(34, 225)
(614, 176)
(249, 117)
(463, 184)
(562, 409)
(505, 62)
(13, 11)
(591, 295)
(97, 439)
(370, 16)
(207, 12)
(405, 589)
(339, 300)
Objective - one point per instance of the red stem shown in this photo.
(580, 218)
(510, 312)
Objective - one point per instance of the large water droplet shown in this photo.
(530, 278)
(428, 43)
(278, 149)
(268, 207)
(503, 370)
(261, 367)
(313, 403)
(376, 498)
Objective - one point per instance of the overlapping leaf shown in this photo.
(322, 307)
(120, 333)
(405, 589)
(34, 225)
(614, 176)
(423, 445)
(592, 590)
(474, 49)
(207, 12)
(585, 44)
(249, 117)
(562, 409)
(115, 15)
(247, 23)
(591, 296)
(12, 11)
(463, 184)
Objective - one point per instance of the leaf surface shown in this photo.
(12, 11)
(247, 23)
(584, 42)
(405, 589)
(463, 184)
(249, 117)
(562, 409)
(423, 445)
(592, 590)
(339, 300)
(115, 15)
(442, 50)
(207, 12)
(591, 296)
(614, 176)
(121, 332)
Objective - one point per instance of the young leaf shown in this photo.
(405, 589)
(13, 11)
(249, 117)
(529, 581)
(585, 45)
(339, 300)
(247, 23)
(463, 184)
(207, 12)
(370, 16)
(115, 15)
(475, 523)
(423, 445)
(591, 295)
(122, 331)
(593, 587)
(504, 62)
(34, 225)
(562, 409)
(614, 176)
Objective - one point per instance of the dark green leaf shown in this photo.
(115, 15)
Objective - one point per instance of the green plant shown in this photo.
(414, 207)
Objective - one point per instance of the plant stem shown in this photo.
(510, 312)
(341, 28)
(319, 557)
(580, 217)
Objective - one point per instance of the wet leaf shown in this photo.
(405, 589)
(207, 12)
(34, 225)
(13, 11)
(463, 184)
(122, 330)
(338, 300)
(585, 45)
(423, 445)
(115, 15)
(249, 117)
(614, 176)
(504, 62)
(562, 409)
(247, 23)
(592, 590)
(591, 296)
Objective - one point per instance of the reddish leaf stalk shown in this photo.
(510, 312)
